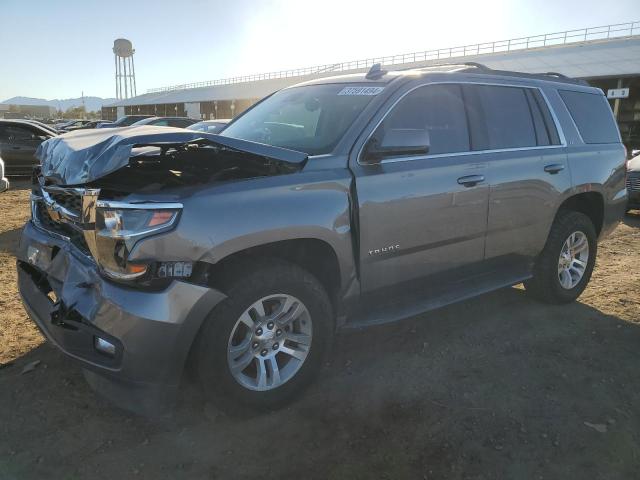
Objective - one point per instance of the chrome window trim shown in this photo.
(471, 152)
(562, 144)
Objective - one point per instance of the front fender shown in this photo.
(221, 220)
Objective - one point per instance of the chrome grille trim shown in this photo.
(633, 183)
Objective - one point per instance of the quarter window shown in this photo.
(592, 115)
(440, 110)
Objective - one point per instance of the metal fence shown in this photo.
(620, 30)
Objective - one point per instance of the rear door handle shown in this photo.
(471, 180)
(554, 168)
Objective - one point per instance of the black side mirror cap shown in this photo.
(397, 142)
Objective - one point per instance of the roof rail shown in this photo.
(476, 67)
(558, 77)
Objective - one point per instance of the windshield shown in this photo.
(129, 120)
(208, 127)
(310, 119)
(198, 127)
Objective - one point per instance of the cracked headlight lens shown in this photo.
(126, 223)
(120, 226)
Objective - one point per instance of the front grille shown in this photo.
(633, 183)
(44, 220)
(70, 201)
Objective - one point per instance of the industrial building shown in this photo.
(26, 111)
(607, 57)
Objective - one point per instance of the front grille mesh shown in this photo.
(633, 183)
(70, 201)
(45, 221)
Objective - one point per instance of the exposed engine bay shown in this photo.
(130, 159)
(153, 168)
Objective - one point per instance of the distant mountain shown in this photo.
(92, 104)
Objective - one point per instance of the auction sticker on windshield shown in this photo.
(360, 90)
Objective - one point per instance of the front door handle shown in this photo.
(554, 168)
(471, 180)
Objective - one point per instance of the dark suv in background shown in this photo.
(125, 121)
(178, 122)
(340, 202)
(19, 140)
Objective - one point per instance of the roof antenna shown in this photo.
(480, 66)
(375, 72)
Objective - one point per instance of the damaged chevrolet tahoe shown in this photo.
(340, 202)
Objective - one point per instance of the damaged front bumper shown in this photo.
(151, 331)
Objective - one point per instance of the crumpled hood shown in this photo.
(83, 156)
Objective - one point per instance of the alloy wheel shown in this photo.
(573, 260)
(270, 342)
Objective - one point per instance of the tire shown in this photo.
(272, 283)
(546, 284)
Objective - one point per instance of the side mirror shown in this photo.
(397, 141)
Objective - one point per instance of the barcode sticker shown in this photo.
(360, 90)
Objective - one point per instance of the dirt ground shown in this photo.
(495, 387)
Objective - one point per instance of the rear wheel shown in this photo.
(563, 269)
(268, 339)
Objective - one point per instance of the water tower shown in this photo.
(125, 70)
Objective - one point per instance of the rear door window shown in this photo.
(500, 118)
(543, 108)
(439, 109)
(592, 115)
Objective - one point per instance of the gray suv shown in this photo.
(340, 202)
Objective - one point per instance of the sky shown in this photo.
(61, 48)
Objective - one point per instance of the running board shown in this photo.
(418, 302)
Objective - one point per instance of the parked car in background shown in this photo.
(63, 123)
(74, 125)
(19, 140)
(42, 125)
(633, 182)
(4, 183)
(340, 202)
(179, 122)
(210, 126)
(125, 121)
(88, 125)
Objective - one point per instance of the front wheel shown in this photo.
(268, 339)
(563, 269)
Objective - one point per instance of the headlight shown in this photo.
(119, 226)
(128, 223)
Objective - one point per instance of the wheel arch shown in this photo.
(316, 256)
(590, 203)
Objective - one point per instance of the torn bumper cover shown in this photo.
(151, 332)
(84, 156)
